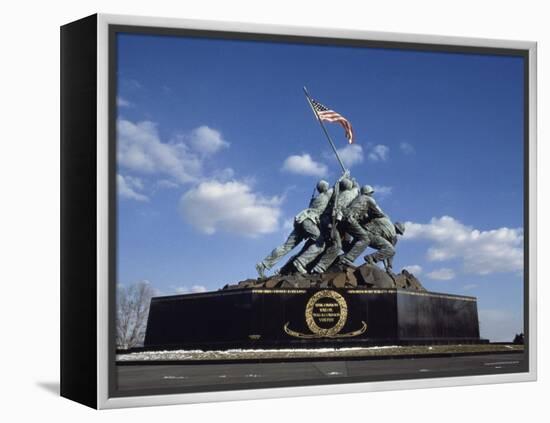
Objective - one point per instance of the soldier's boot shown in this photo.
(330, 254)
(344, 261)
(318, 269)
(299, 267)
(385, 251)
(261, 268)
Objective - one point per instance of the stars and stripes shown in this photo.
(329, 115)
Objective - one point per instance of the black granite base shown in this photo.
(310, 318)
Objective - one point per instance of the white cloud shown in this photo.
(231, 207)
(499, 325)
(206, 140)
(415, 269)
(140, 149)
(351, 154)
(186, 290)
(198, 288)
(443, 274)
(121, 102)
(128, 187)
(304, 165)
(382, 191)
(482, 252)
(379, 153)
(407, 148)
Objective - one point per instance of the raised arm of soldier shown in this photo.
(345, 175)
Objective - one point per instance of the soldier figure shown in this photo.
(383, 237)
(306, 226)
(362, 208)
(330, 224)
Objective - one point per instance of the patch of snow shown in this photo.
(221, 354)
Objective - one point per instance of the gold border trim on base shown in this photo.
(368, 292)
(278, 291)
(421, 294)
(358, 332)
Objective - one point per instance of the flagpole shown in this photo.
(325, 131)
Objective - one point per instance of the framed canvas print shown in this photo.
(254, 211)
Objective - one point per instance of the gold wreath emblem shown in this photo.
(332, 332)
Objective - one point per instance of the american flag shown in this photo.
(329, 115)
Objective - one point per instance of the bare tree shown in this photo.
(132, 311)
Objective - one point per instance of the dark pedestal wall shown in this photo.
(309, 318)
(436, 316)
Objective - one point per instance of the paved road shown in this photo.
(165, 378)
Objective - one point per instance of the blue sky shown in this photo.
(218, 150)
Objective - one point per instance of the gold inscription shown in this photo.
(326, 314)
